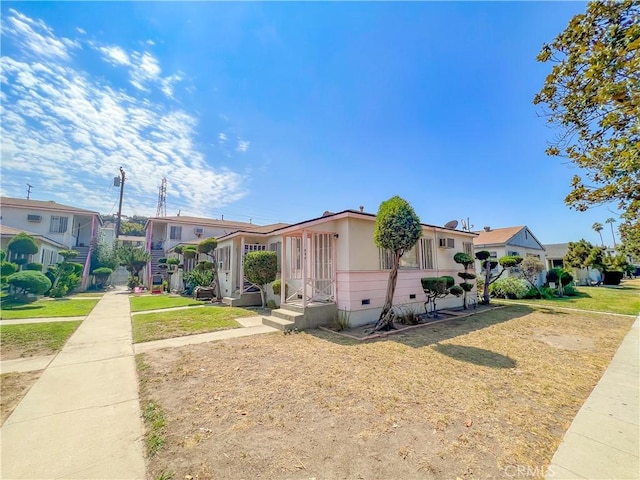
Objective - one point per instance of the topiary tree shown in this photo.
(466, 261)
(397, 229)
(133, 259)
(29, 281)
(22, 245)
(208, 246)
(6, 268)
(488, 264)
(531, 268)
(261, 268)
(438, 287)
(102, 275)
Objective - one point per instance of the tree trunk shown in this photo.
(263, 295)
(487, 278)
(385, 322)
(216, 279)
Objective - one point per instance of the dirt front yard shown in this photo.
(470, 398)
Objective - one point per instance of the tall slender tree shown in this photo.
(611, 221)
(397, 229)
(597, 227)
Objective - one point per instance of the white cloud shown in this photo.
(81, 31)
(222, 137)
(243, 146)
(57, 120)
(115, 55)
(36, 37)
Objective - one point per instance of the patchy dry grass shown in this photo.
(465, 398)
(14, 386)
(34, 339)
(177, 323)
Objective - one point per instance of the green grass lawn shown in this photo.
(157, 302)
(46, 308)
(31, 339)
(160, 325)
(622, 299)
(86, 294)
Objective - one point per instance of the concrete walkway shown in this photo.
(603, 441)
(81, 419)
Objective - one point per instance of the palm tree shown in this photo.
(611, 221)
(598, 228)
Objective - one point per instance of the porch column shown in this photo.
(304, 269)
(241, 265)
(149, 237)
(283, 269)
(87, 263)
(334, 260)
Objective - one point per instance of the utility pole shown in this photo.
(29, 187)
(122, 177)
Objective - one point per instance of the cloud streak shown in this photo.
(64, 124)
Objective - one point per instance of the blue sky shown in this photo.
(281, 111)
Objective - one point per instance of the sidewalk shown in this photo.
(603, 441)
(82, 418)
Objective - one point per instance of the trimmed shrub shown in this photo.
(22, 244)
(570, 291)
(30, 281)
(8, 268)
(162, 260)
(509, 287)
(612, 278)
(102, 275)
(456, 290)
(33, 266)
(173, 261)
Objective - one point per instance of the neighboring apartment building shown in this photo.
(164, 233)
(61, 225)
(331, 263)
(513, 241)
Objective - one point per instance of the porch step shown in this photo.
(293, 307)
(287, 314)
(279, 323)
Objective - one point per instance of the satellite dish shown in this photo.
(451, 224)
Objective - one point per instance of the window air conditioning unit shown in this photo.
(447, 243)
(34, 218)
(198, 231)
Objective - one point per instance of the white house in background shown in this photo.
(512, 241)
(555, 254)
(331, 263)
(47, 249)
(164, 233)
(72, 227)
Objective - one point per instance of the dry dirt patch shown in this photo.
(14, 386)
(460, 399)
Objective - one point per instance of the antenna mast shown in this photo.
(161, 211)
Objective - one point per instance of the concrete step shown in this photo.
(293, 307)
(279, 323)
(286, 314)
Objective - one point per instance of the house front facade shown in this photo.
(333, 261)
(511, 241)
(70, 227)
